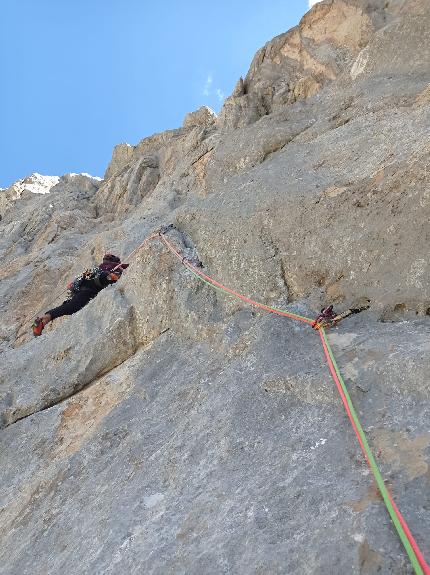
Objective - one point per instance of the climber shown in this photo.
(83, 289)
(329, 318)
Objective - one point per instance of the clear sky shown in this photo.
(79, 76)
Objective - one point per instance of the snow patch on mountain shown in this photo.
(36, 184)
(39, 184)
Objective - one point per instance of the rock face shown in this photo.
(295, 65)
(166, 428)
(204, 116)
(34, 184)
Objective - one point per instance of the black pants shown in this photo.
(77, 302)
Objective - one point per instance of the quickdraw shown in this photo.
(328, 318)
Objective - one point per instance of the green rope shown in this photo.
(293, 315)
(374, 466)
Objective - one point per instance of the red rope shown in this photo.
(424, 565)
(232, 292)
(342, 395)
(410, 537)
(139, 247)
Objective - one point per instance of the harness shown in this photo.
(92, 274)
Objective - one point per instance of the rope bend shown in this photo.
(411, 547)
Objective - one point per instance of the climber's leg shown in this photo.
(68, 307)
(71, 306)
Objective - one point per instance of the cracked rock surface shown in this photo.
(166, 428)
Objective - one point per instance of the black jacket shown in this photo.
(96, 283)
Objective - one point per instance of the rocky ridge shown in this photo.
(167, 429)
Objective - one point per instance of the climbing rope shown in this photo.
(208, 280)
(412, 549)
(139, 247)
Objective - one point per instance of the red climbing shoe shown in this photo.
(38, 326)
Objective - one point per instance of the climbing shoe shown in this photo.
(38, 326)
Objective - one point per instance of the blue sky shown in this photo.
(79, 76)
